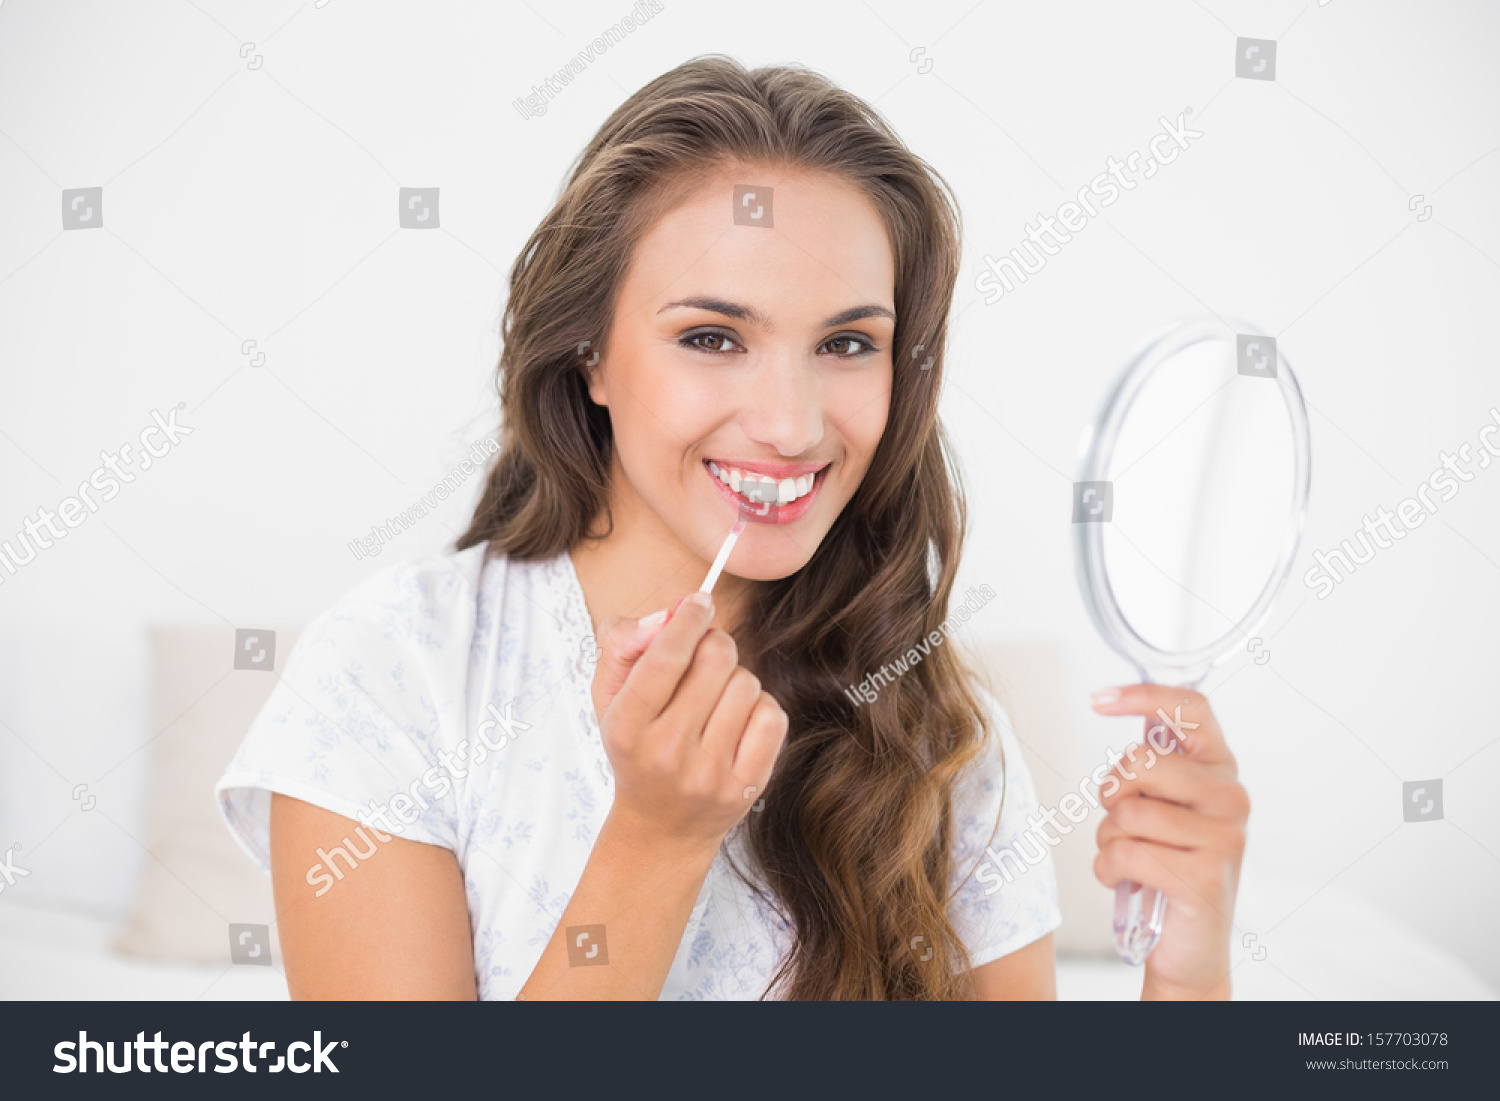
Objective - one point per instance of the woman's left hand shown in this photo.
(1178, 826)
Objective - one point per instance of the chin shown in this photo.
(764, 553)
(765, 567)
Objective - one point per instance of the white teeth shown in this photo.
(759, 488)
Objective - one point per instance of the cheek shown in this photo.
(859, 413)
(656, 416)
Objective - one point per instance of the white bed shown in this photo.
(49, 954)
(1336, 948)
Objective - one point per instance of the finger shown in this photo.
(1164, 823)
(656, 673)
(1143, 771)
(621, 643)
(714, 662)
(722, 734)
(761, 742)
(1173, 872)
(673, 609)
(1206, 789)
(1185, 716)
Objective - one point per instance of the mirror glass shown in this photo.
(1203, 476)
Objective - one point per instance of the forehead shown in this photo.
(826, 247)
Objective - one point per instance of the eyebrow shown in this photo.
(755, 317)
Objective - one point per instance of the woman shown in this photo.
(539, 768)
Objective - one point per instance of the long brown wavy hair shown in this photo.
(854, 840)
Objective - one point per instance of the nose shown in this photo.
(782, 406)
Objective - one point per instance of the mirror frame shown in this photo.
(1095, 454)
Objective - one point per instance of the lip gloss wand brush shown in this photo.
(723, 557)
(718, 566)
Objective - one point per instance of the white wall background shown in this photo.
(260, 204)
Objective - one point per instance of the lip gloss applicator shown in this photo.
(765, 493)
(722, 557)
(718, 566)
(727, 547)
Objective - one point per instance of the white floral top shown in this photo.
(448, 698)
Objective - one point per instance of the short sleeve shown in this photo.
(370, 698)
(1004, 877)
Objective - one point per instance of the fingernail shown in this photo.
(649, 622)
(703, 600)
(1104, 695)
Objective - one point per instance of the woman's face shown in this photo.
(750, 353)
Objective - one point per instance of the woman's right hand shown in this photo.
(690, 734)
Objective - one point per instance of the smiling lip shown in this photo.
(771, 470)
(775, 515)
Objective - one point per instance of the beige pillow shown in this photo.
(195, 881)
(1027, 680)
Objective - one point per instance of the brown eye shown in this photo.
(848, 346)
(709, 342)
